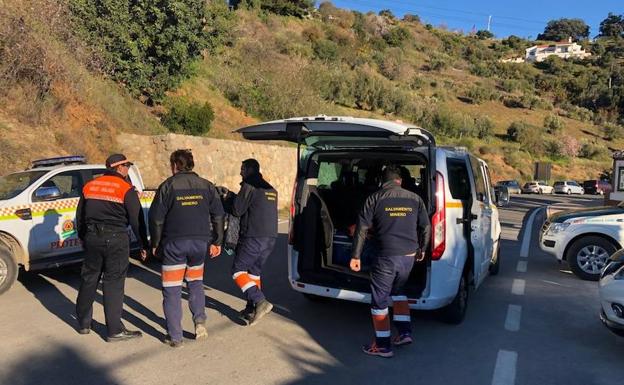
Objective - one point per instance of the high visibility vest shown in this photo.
(107, 188)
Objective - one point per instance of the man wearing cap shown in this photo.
(107, 206)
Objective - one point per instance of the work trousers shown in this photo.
(183, 260)
(251, 254)
(388, 278)
(107, 257)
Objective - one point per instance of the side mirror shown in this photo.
(502, 196)
(47, 193)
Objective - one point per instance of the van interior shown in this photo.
(335, 187)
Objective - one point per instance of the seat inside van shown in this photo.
(336, 185)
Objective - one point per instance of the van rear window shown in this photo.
(459, 182)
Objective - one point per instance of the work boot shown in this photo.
(262, 308)
(86, 330)
(200, 331)
(402, 339)
(247, 313)
(172, 343)
(124, 335)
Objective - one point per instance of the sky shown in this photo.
(524, 18)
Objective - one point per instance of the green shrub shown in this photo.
(297, 8)
(612, 131)
(396, 36)
(478, 94)
(553, 124)
(326, 50)
(529, 136)
(188, 118)
(483, 127)
(593, 151)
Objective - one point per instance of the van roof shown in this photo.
(398, 126)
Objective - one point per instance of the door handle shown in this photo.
(24, 214)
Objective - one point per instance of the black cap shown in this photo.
(117, 160)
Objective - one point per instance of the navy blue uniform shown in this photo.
(400, 223)
(185, 218)
(256, 205)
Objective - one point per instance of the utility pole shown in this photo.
(489, 22)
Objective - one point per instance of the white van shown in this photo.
(340, 161)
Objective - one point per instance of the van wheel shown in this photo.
(8, 270)
(588, 255)
(569, 192)
(454, 312)
(495, 267)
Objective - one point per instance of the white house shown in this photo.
(564, 50)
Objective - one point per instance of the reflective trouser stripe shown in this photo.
(173, 275)
(381, 322)
(243, 280)
(402, 318)
(195, 273)
(256, 279)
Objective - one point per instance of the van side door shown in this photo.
(480, 217)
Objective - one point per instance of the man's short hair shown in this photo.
(252, 164)
(391, 172)
(182, 159)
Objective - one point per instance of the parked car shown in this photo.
(568, 187)
(584, 238)
(512, 186)
(612, 294)
(341, 158)
(537, 188)
(37, 212)
(597, 187)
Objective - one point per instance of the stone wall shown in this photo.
(217, 160)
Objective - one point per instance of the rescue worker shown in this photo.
(398, 218)
(107, 206)
(256, 206)
(186, 224)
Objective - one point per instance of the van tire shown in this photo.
(8, 269)
(455, 312)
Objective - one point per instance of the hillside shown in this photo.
(62, 90)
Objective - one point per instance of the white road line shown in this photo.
(505, 370)
(512, 321)
(518, 286)
(526, 239)
(522, 267)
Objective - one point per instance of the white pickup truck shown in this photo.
(37, 212)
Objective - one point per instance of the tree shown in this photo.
(386, 13)
(562, 29)
(147, 46)
(612, 26)
(297, 8)
(484, 34)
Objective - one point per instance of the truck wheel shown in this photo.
(495, 267)
(8, 270)
(454, 312)
(588, 255)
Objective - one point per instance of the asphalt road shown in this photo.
(534, 323)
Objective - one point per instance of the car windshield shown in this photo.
(559, 183)
(13, 184)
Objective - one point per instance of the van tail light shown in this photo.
(438, 221)
(291, 215)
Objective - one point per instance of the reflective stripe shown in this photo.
(173, 267)
(382, 333)
(194, 273)
(379, 311)
(238, 274)
(401, 318)
(254, 277)
(399, 298)
(172, 283)
(248, 286)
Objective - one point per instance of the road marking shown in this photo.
(512, 321)
(554, 283)
(505, 369)
(522, 267)
(526, 239)
(518, 286)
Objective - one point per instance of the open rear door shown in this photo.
(346, 131)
